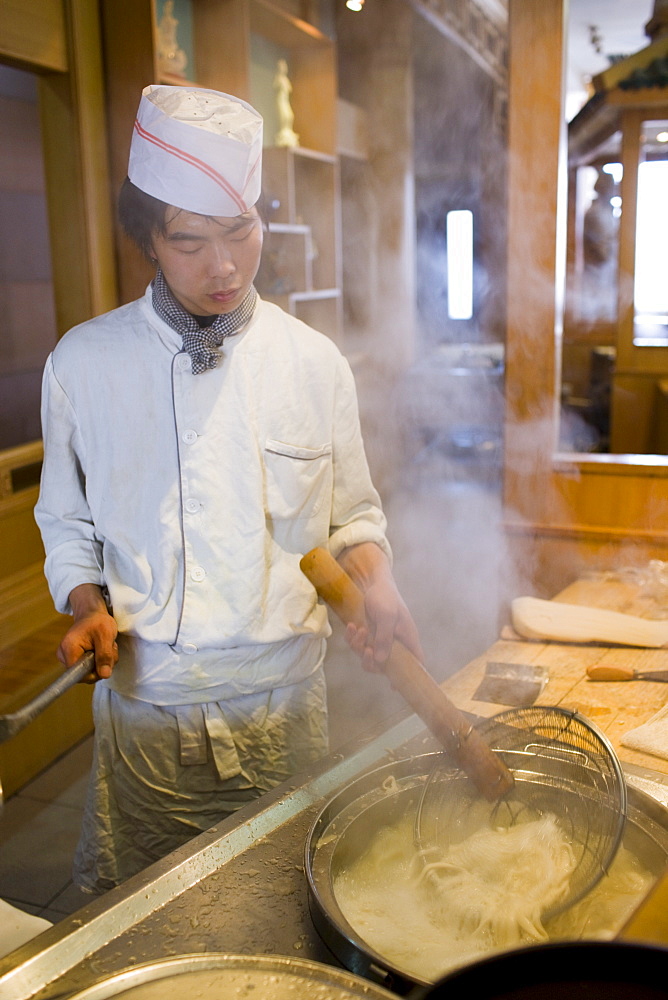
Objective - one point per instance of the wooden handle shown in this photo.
(599, 672)
(405, 672)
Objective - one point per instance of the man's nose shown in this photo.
(221, 260)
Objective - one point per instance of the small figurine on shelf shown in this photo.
(172, 60)
(286, 116)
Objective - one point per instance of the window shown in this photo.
(651, 261)
(459, 239)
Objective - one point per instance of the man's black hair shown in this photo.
(142, 216)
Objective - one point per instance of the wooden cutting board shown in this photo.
(614, 706)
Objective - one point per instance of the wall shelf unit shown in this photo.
(234, 46)
(301, 267)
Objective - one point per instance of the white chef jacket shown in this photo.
(191, 498)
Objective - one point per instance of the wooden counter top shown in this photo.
(614, 706)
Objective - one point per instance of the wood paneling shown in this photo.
(33, 34)
(222, 39)
(20, 542)
(25, 604)
(76, 163)
(535, 130)
(60, 41)
(26, 668)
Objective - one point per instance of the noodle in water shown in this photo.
(429, 914)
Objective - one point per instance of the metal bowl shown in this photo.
(351, 818)
(216, 977)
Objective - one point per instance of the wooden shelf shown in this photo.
(236, 46)
(286, 259)
(321, 310)
(167, 80)
(302, 188)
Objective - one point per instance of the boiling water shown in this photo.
(428, 915)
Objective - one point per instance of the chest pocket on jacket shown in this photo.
(298, 479)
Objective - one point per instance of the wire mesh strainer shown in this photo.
(563, 766)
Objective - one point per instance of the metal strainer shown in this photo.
(562, 765)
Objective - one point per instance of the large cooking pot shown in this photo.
(383, 796)
(218, 977)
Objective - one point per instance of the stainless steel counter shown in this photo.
(240, 888)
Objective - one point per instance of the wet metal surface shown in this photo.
(240, 888)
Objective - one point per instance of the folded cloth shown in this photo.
(17, 927)
(651, 737)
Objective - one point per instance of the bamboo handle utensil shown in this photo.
(409, 677)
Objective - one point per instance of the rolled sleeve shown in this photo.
(355, 534)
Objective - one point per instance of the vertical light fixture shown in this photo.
(459, 248)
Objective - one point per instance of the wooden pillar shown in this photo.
(535, 126)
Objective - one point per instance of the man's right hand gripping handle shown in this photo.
(93, 628)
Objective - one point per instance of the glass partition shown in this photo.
(614, 345)
(650, 298)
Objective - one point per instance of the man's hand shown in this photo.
(387, 616)
(93, 628)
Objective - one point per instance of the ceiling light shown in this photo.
(662, 137)
(354, 4)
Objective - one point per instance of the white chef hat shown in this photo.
(197, 149)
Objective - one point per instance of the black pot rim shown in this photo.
(635, 963)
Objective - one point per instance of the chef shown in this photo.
(198, 442)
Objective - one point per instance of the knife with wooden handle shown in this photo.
(534, 618)
(407, 675)
(601, 672)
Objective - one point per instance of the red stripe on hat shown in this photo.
(196, 163)
(253, 169)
